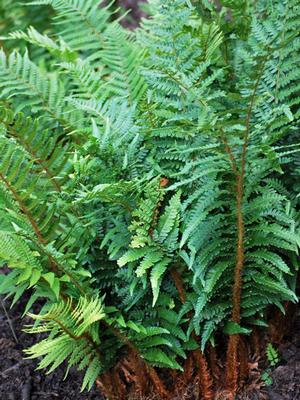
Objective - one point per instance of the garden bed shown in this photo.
(171, 179)
(20, 380)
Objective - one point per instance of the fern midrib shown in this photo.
(35, 157)
(80, 337)
(56, 268)
(46, 105)
(237, 288)
(204, 372)
(87, 22)
(24, 209)
(232, 350)
(229, 151)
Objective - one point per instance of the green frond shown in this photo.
(123, 58)
(59, 50)
(113, 119)
(73, 337)
(170, 219)
(23, 83)
(86, 80)
(45, 148)
(86, 15)
(161, 359)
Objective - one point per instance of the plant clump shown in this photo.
(149, 189)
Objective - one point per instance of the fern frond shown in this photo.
(25, 85)
(73, 337)
(87, 16)
(34, 37)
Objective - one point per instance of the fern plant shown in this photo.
(149, 188)
(272, 355)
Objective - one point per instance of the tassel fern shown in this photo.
(149, 187)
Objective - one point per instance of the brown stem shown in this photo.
(240, 258)
(37, 160)
(106, 387)
(205, 379)
(179, 285)
(232, 366)
(158, 384)
(188, 370)
(24, 209)
(243, 357)
(229, 151)
(232, 351)
(213, 362)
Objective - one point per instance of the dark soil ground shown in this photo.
(286, 377)
(135, 14)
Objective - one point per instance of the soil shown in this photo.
(135, 12)
(286, 377)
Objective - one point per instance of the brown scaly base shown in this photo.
(132, 379)
(204, 376)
